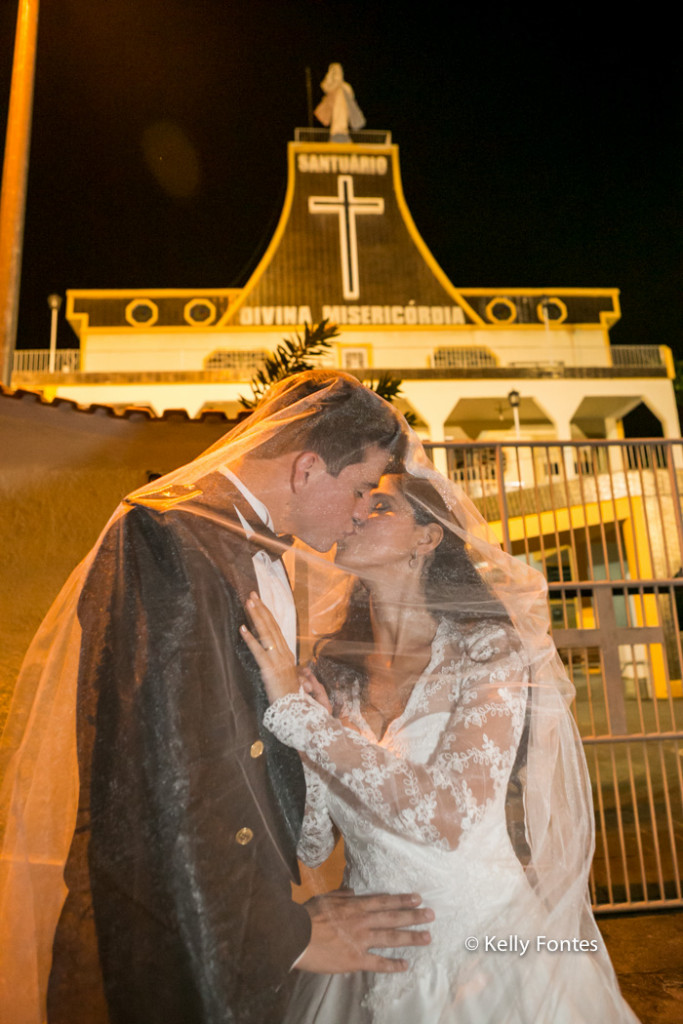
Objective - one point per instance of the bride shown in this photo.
(441, 746)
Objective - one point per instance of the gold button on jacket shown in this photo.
(256, 748)
(244, 836)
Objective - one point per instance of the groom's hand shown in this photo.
(346, 927)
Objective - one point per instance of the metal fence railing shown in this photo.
(637, 355)
(235, 359)
(602, 520)
(37, 360)
(466, 357)
(473, 357)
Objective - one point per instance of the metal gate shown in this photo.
(602, 520)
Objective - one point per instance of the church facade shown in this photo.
(346, 249)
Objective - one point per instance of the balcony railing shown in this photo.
(637, 355)
(467, 359)
(463, 356)
(37, 360)
(234, 359)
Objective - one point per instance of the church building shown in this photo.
(476, 363)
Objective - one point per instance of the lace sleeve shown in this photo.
(437, 802)
(318, 836)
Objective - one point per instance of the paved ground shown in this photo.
(647, 953)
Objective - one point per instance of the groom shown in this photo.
(179, 908)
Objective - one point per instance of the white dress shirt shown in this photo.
(271, 577)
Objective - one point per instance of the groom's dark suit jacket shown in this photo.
(179, 908)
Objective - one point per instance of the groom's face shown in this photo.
(327, 508)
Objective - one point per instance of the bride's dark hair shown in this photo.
(453, 590)
(453, 587)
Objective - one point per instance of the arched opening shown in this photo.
(487, 419)
(642, 422)
(597, 416)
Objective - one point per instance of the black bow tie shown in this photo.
(273, 544)
(262, 537)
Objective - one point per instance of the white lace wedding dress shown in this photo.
(424, 811)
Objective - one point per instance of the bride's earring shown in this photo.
(413, 560)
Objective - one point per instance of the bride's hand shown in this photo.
(273, 656)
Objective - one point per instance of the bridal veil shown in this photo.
(552, 831)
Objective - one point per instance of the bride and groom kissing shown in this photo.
(207, 759)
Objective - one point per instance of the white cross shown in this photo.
(347, 207)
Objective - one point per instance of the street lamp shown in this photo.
(14, 175)
(54, 302)
(514, 399)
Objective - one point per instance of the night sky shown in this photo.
(538, 150)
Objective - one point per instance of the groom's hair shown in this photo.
(339, 425)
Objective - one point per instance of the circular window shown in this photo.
(199, 312)
(142, 313)
(501, 310)
(551, 311)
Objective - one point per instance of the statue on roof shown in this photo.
(338, 109)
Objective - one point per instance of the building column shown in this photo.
(664, 407)
(561, 402)
(433, 405)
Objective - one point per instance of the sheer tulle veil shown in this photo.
(39, 795)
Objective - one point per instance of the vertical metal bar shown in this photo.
(595, 466)
(603, 825)
(552, 503)
(668, 571)
(653, 821)
(584, 504)
(636, 821)
(671, 833)
(623, 565)
(589, 689)
(502, 499)
(539, 511)
(655, 704)
(522, 494)
(678, 761)
(640, 450)
(669, 689)
(679, 652)
(573, 571)
(632, 515)
(570, 524)
(468, 455)
(620, 823)
(636, 686)
(675, 497)
(479, 471)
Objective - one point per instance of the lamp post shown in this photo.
(514, 399)
(54, 302)
(14, 174)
